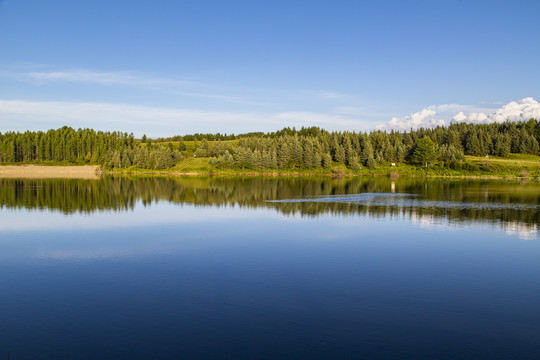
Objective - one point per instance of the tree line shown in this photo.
(307, 148)
(85, 146)
(313, 147)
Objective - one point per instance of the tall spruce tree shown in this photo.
(426, 152)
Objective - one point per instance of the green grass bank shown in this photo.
(516, 166)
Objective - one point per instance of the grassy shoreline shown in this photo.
(285, 174)
(515, 167)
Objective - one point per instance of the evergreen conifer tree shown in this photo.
(426, 152)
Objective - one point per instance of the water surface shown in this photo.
(141, 268)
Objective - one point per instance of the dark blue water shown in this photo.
(170, 281)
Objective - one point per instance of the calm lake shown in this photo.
(269, 268)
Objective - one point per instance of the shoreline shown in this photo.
(280, 174)
(30, 171)
(94, 172)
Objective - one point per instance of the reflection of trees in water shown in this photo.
(527, 217)
(122, 193)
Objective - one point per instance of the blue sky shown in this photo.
(177, 67)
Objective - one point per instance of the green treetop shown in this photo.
(426, 152)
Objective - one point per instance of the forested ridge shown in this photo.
(307, 148)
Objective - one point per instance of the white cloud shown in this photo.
(100, 77)
(103, 78)
(476, 118)
(20, 115)
(520, 110)
(125, 78)
(442, 115)
(332, 95)
(423, 118)
(154, 121)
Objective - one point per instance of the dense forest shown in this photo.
(307, 148)
(84, 146)
(313, 147)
